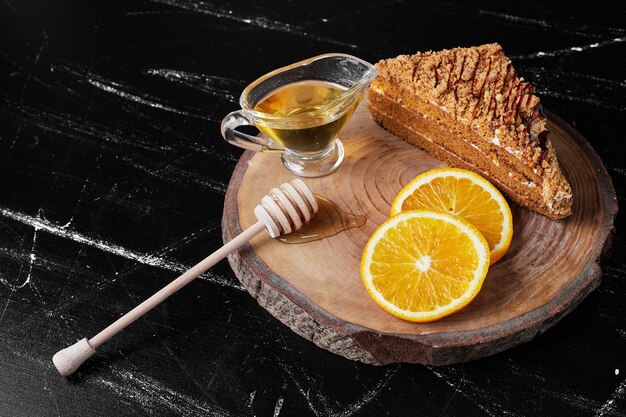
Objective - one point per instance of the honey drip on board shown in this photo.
(329, 221)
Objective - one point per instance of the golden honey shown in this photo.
(314, 120)
(329, 221)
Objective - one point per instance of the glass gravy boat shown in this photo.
(301, 109)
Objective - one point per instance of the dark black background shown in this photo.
(112, 179)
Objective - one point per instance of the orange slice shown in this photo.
(422, 265)
(464, 194)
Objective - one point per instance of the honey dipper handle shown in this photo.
(69, 359)
(175, 285)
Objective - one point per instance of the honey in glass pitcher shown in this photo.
(310, 101)
(301, 109)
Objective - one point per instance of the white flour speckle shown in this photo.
(251, 398)
(609, 407)
(279, 405)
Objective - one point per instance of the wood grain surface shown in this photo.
(315, 288)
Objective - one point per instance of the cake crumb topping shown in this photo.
(480, 88)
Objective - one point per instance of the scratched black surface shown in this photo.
(112, 179)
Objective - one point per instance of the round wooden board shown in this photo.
(315, 288)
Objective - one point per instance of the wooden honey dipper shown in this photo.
(285, 209)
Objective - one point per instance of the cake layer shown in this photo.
(438, 115)
(455, 151)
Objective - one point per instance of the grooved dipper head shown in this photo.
(286, 208)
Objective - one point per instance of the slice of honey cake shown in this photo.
(468, 108)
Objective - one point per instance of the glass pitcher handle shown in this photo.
(253, 143)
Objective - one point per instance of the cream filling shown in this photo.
(558, 197)
(496, 139)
